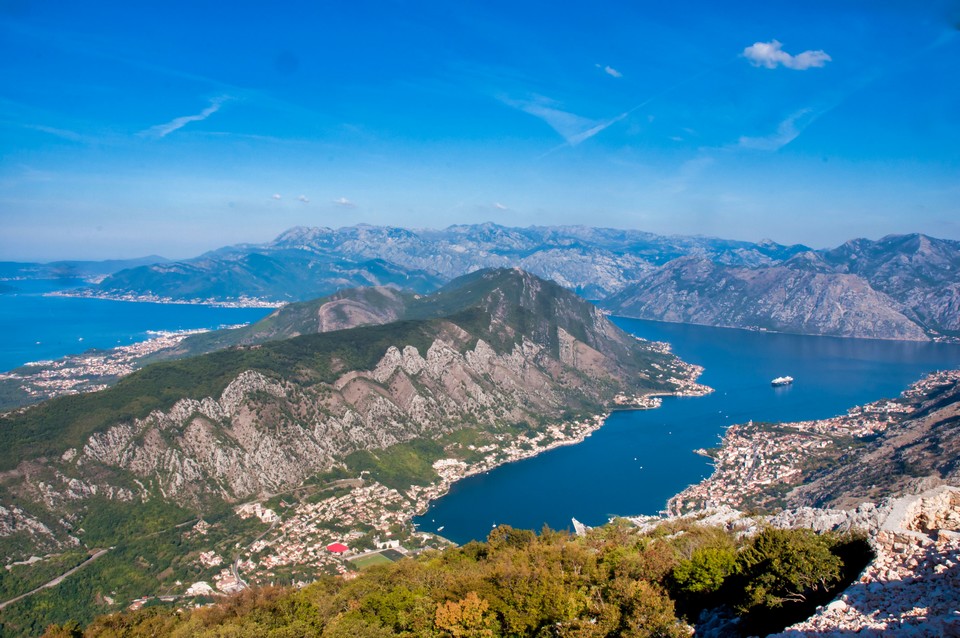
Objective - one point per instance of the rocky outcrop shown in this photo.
(262, 435)
(918, 452)
(919, 272)
(912, 586)
(781, 298)
(899, 287)
(888, 469)
(514, 349)
(21, 527)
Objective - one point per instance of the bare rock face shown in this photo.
(16, 523)
(780, 298)
(492, 350)
(912, 586)
(920, 452)
(263, 435)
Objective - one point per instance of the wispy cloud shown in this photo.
(276, 196)
(788, 130)
(574, 128)
(576, 139)
(162, 130)
(343, 201)
(304, 199)
(500, 206)
(609, 70)
(59, 132)
(771, 55)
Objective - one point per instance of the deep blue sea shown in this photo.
(34, 327)
(639, 459)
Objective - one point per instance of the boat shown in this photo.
(781, 381)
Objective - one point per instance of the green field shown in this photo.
(370, 560)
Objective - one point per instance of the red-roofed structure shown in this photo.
(337, 548)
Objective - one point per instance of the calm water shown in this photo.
(34, 327)
(637, 460)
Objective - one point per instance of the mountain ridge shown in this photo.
(897, 287)
(501, 347)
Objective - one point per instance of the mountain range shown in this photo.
(302, 263)
(898, 287)
(89, 270)
(487, 352)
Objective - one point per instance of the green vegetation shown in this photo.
(52, 427)
(613, 582)
(152, 546)
(291, 320)
(20, 579)
(399, 466)
(470, 302)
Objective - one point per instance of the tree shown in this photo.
(786, 566)
(467, 618)
(705, 571)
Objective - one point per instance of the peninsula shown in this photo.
(332, 438)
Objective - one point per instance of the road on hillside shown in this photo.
(59, 579)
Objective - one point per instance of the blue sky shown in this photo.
(131, 128)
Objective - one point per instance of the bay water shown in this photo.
(639, 459)
(632, 465)
(35, 327)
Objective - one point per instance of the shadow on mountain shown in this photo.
(924, 605)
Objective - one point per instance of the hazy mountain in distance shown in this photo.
(898, 287)
(90, 270)
(303, 263)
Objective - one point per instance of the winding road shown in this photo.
(59, 579)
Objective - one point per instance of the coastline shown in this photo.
(515, 451)
(754, 459)
(90, 371)
(303, 530)
(937, 338)
(242, 302)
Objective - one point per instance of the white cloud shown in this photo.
(162, 130)
(500, 206)
(343, 201)
(609, 70)
(573, 128)
(585, 135)
(771, 54)
(787, 131)
(277, 196)
(304, 199)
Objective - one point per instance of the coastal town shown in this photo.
(363, 522)
(239, 302)
(88, 372)
(754, 458)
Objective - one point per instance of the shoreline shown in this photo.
(424, 496)
(90, 371)
(242, 302)
(753, 458)
(939, 338)
(300, 533)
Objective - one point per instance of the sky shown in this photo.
(135, 128)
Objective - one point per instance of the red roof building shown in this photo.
(337, 548)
